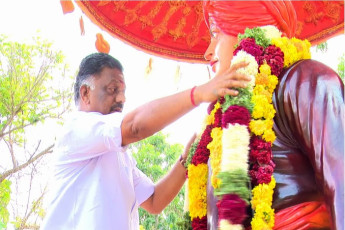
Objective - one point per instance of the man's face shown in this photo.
(108, 95)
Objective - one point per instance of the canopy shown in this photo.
(177, 30)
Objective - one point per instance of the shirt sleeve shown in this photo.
(88, 135)
(143, 186)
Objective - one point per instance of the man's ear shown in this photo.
(84, 92)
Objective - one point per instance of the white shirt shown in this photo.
(96, 183)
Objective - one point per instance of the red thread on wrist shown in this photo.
(192, 96)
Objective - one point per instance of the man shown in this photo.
(96, 183)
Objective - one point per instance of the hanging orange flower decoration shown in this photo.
(81, 25)
(101, 44)
(67, 6)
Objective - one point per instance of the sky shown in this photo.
(21, 20)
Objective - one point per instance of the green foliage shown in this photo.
(23, 223)
(17, 222)
(192, 151)
(244, 100)
(186, 222)
(29, 92)
(322, 47)
(341, 67)
(235, 182)
(155, 157)
(33, 88)
(37, 208)
(258, 34)
(5, 196)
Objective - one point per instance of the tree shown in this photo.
(5, 193)
(33, 89)
(155, 157)
(323, 47)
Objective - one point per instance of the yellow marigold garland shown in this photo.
(215, 147)
(197, 190)
(198, 175)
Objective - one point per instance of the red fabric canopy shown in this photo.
(177, 30)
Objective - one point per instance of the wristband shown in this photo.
(192, 96)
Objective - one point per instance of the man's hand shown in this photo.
(222, 85)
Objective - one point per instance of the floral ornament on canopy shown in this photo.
(238, 136)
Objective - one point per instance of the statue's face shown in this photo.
(220, 51)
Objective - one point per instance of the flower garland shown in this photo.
(238, 136)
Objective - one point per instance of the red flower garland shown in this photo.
(230, 208)
(199, 224)
(202, 153)
(236, 114)
(249, 45)
(274, 57)
(260, 157)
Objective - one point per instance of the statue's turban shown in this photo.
(233, 17)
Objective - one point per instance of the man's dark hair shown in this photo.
(93, 64)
